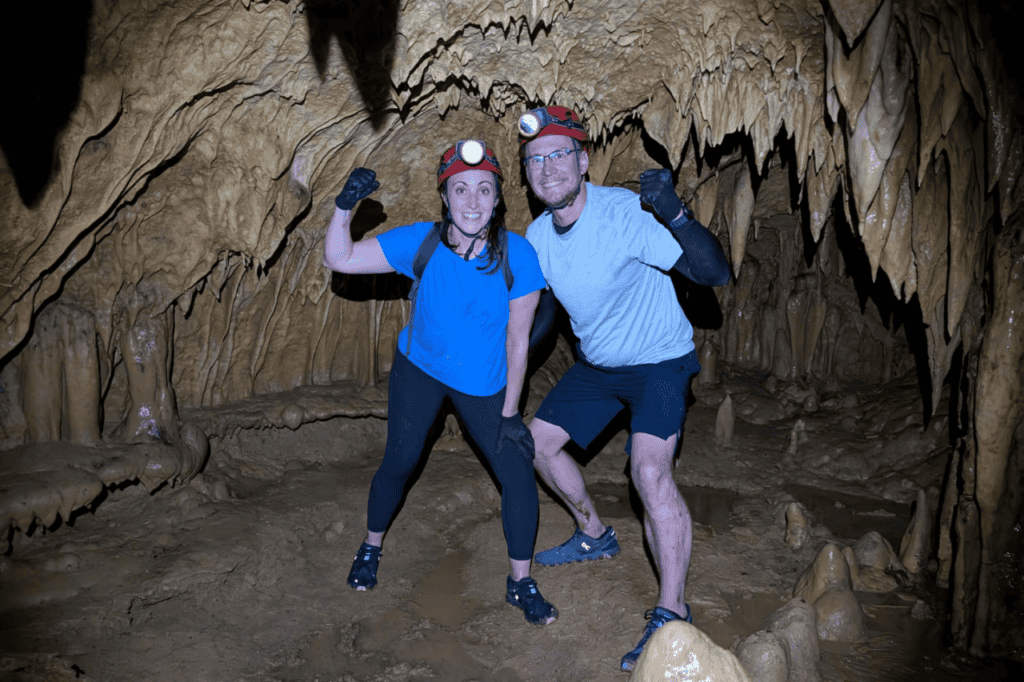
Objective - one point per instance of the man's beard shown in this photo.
(566, 198)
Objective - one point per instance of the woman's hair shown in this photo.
(495, 251)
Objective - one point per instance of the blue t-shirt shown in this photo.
(609, 272)
(459, 327)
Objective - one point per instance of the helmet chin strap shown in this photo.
(472, 236)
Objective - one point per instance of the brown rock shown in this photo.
(839, 616)
(828, 570)
(679, 651)
(765, 655)
(797, 623)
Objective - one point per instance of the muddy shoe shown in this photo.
(524, 594)
(656, 617)
(580, 547)
(363, 575)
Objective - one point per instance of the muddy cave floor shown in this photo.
(240, 575)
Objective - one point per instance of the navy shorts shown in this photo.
(588, 397)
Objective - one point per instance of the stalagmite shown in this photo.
(915, 547)
(829, 569)
(708, 363)
(839, 616)
(725, 423)
(797, 532)
(796, 622)
(797, 436)
(765, 656)
(679, 651)
(867, 578)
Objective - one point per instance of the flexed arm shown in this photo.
(703, 261)
(340, 253)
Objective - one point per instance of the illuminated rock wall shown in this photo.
(825, 144)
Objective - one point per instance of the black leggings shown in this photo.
(414, 400)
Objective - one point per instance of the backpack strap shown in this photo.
(426, 250)
(419, 263)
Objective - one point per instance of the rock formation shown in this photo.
(169, 257)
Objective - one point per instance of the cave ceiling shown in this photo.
(198, 165)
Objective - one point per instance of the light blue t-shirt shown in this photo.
(610, 273)
(461, 317)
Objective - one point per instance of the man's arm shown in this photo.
(703, 261)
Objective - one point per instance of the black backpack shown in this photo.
(423, 254)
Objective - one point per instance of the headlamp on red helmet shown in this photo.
(467, 155)
(550, 121)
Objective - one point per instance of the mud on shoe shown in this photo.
(580, 547)
(525, 595)
(363, 575)
(656, 617)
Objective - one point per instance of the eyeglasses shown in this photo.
(557, 156)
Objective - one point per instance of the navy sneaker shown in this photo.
(580, 547)
(524, 594)
(656, 617)
(363, 575)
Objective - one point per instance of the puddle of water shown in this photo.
(749, 614)
(850, 517)
(708, 506)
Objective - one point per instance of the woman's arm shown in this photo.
(520, 319)
(340, 254)
(364, 257)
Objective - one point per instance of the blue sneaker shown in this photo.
(580, 547)
(656, 617)
(363, 575)
(524, 594)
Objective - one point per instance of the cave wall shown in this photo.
(859, 161)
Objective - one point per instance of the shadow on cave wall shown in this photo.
(365, 31)
(46, 62)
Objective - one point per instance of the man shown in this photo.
(607, 260)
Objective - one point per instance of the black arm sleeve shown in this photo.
(703, 260)
(543, 319)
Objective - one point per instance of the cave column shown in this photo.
(146, 342)
(987, 584)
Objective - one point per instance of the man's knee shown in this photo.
(651, 462)
(548, 439)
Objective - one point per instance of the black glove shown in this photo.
(512, 433)
(656, 189)
(361, 183)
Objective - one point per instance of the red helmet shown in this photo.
(467, 155)
(550, 121)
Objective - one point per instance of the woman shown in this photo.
(466, 340)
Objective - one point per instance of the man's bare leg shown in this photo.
(667, 522)
(560, 471)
